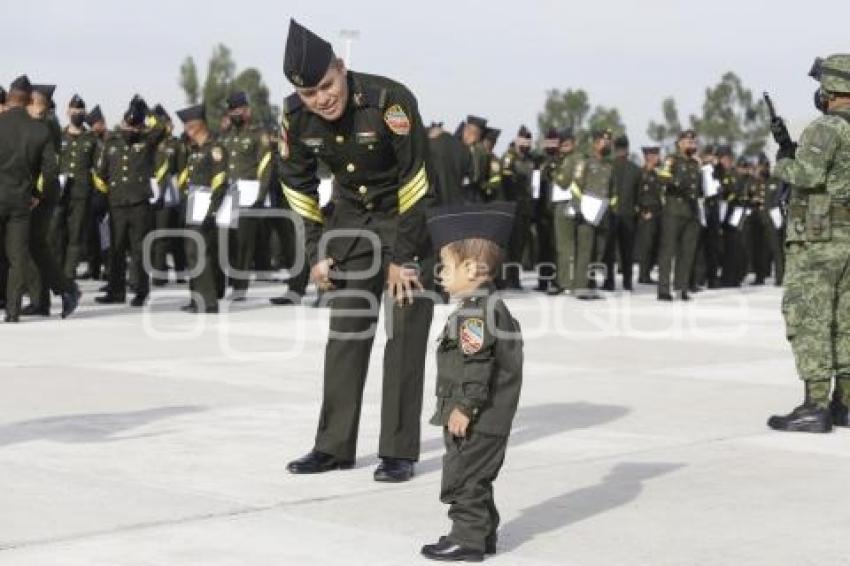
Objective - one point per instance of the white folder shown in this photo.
(776, 217)
(710, 185)
(249, 191)
(593, 209)
(736, 216)
(535, 184)
(561, 194)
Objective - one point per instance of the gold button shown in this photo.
(340, 139)
(363, 190)
(71, 166)
(350, 167)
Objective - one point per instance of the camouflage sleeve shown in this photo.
(300, 184)
(410, 145)
(813, 160)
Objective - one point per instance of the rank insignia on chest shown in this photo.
(313, 143)
(366, 138)
(397, 120)
(471, 335)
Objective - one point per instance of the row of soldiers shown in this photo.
(582, 217)
(100, 192)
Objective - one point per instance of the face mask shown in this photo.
(605, 151)
(77, 120)
(237, 120)
(820, 100)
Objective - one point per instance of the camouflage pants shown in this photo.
(816, 306)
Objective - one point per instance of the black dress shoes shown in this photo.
(70, 301)
(139, 301)
(283, 301)
(110, 299)
(446, 551)
(317, 462)
(394, 470)
(32, 310)
(663, 296)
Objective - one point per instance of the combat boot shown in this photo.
(805, 418)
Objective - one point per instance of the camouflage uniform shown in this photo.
(816, 302)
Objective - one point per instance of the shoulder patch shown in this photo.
(397, 120)
(472, 335)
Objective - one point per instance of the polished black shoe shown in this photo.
(109, 299)
(664, 296)
(191, 307)
(70, 301)
(627, 286)
(317, 462)
(32, 310)
(588, 295)
(714, 284)
(684, 296)
(283, 301)
(103, 289)
(805, 418)
(554, 290)
(608, 286)
(490, 543)
(139, 301)
(159, 282)
(447, 551)
(11, 318)
(394, 470)
(840, 413)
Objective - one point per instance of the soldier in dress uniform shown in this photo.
(368, 131)
(649, 204)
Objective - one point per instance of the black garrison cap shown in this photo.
(477, 121)
(307, 56)
(493, 221)
(192, 113)
(160, 112)
(237, 100)
(567, 134)
(690, 134)
(552, 134)
(492, 134)
(600, 133)
(137, 112)
(45, 90)
(651, 150)
(22, 84)
(95, 116)
(77, 102)
(724, 151)
(436, 125)
(621, 142)
(524, 133)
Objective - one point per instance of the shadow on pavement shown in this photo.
(622, 485)
(94, 427)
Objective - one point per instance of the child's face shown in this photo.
(458, 277)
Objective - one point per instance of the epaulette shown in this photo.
(292, 103)
(371, 96)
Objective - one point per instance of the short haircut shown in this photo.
(487, 254)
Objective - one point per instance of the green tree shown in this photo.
(189, 80)
(563, 109)
(665, 133)
(604, 118)
(732, 115)
(222, 79)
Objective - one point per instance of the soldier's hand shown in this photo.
(402, 282)
(458, 423)
(34, 202)
(320, 274)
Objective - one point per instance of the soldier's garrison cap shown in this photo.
(600, 133)
(688, 134)
(435, 125)
(477, 121)
(492, 134)
(493, 221)
(621, 142)
(524, 133)
(568, 134)
(833, 72)
(95, 116)
(77, 102)
(307, 56)
(724, 151)
(196, 112)
(237, 100)
(22, 84)
(160, 112)
(45, 90)
(136, 112)
(651, 150)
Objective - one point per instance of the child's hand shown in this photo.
(458, 423)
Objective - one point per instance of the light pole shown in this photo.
(349, 35)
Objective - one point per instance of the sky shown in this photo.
(495, 59)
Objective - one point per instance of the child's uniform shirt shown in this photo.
(479, 364)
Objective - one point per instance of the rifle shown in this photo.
(787, 147)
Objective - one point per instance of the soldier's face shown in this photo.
(38, 106)
(196, 130)
(329, 98)
(471, 134)
(652, 160)
(567, 146)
